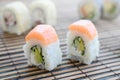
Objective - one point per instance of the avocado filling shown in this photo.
(37, 52)
(88, 11)
(91, 15)
(110, 7)
(78, 43)
(113, 9)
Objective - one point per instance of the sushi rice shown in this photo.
(80, 46)
(43, 52)
(52, 57)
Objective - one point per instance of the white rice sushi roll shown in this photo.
(43, 12)
(15, 18)
(90, 9)
(82, 40)
(110, 9)
(42, 47)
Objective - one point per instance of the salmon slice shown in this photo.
(85, 27)
(43, 33)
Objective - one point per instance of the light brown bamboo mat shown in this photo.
(13, 64)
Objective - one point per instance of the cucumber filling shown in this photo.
(78, 43)
(113, 9)
(91, 15)
(88, 11)
(37, 52)
(110, 8)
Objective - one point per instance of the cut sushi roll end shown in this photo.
(89, 9)
(82, 40)
(110, 9)
(42, 47)
(15, 18)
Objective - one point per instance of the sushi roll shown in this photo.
(43, 12)
(89, 9)
(42, 47)
(110, 9)
(15, 18)
(82, 41)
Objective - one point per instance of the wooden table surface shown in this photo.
(13, 64)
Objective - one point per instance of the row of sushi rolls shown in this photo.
(42, 47)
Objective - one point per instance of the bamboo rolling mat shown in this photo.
(13, 64)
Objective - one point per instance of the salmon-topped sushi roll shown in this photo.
(15, 18)
(82, 40)
(42, 47)
(43, 12)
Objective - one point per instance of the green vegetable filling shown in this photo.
(37, 52)
(79, 45)
(90, 16)
(113, 9)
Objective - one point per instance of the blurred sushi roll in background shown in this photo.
(110, 8)
(42, 47)
(89, 9)
(43, 12)
(15, 18)
(82, 41)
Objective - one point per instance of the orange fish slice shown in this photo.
(85, 27)
(43, 33)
